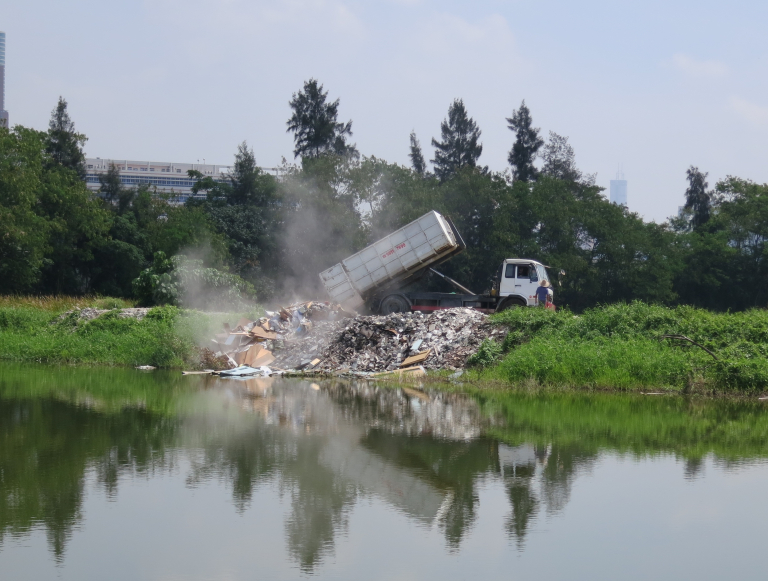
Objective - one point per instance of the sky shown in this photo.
(652, 87)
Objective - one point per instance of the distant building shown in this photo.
(166, 177)
(4, 120)
(619, 190)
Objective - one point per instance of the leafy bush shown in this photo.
(487, 354)
(184, 281)
(622, 346)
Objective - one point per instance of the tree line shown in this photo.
(270, 237)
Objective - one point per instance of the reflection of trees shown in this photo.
(559, 474)
(448, 465)
(525, 504)
(536, 478)
(319, 502)
(46, 447)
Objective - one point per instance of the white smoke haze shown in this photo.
(317, 234)
(202, 289)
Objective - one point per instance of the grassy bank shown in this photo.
(621, 347)
(37, 330)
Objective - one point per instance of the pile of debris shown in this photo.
(322, 337)
(296, 331)
(443, 339)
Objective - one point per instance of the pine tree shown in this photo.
(249, 185)
(111, 185)
(697, 199)
(526, 146)
(559, 159)
(459, 146)
(64, 144)
(417, 158)
(315, 125)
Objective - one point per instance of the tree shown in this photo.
(526, 146)
(459, 146)
(417, 158)
(250, 186)
(64, 144)
(315, 126)
(111, 187)
(559, 159)
(23, 243)
(697, 199)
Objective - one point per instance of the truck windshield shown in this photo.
(542, 272)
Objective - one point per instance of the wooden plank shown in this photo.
(416, 370)
(257, 356)
(264, 358)
(262, 334)
(418, 358)
(253, 352)
(240, 356)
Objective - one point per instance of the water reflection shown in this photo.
(324, 447)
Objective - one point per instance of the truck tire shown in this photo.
(509, 303)
(394, 304)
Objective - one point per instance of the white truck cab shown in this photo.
(520, 277)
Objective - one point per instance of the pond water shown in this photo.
(120, 474)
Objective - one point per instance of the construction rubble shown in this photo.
(323, 338)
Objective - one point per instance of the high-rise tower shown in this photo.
(619, 189)
(3, 112)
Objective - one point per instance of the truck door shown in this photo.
(527, 280)
(508, 280)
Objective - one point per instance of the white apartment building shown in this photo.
(167, 177)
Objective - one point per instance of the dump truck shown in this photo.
(374, 278)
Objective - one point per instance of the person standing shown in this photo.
(543, 292)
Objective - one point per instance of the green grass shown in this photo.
(61, 303)
(621, 347)
(167, 337)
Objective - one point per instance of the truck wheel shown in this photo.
(394, 304)
(510, 304)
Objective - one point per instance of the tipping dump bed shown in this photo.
(395, 257)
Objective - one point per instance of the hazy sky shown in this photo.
(654, 85)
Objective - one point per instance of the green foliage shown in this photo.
(488, 353)
(111, 186)
(526, 146)
(459, 147)
(111, 303)
(24, 240)
(621, 347)
(315, 126)
(183, 281)
(418, 163)
(560, 160)
(64, 145)
(166, 337)
(697, 198)
(278, 234)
